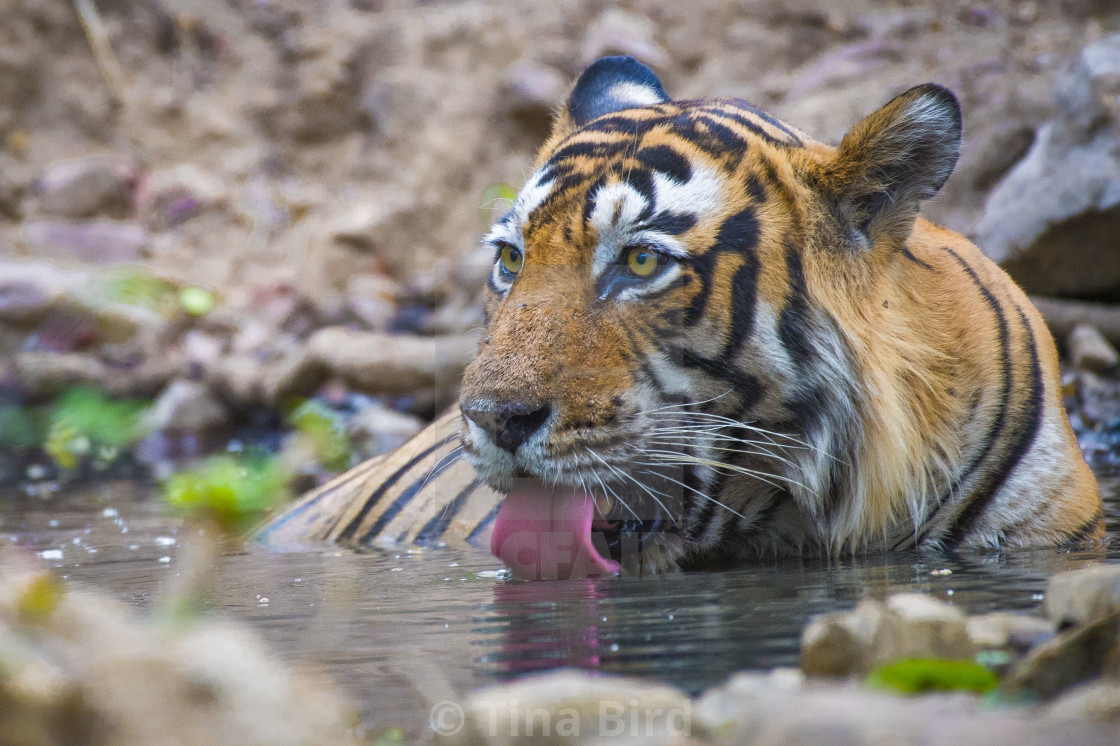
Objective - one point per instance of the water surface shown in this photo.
(403, 630)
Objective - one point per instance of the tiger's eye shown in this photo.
(641, 262)
(512, 259)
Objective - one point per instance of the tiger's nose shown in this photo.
(509, 424)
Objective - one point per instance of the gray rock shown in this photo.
(1089, 350)
(1080, 654)
(1052, 222)
(373, 363)
(908, 625)
(378, 429)
(97, 242)
(753, 708)
(1099, 700)
(574, 707)
(619, 32)
(101, 185)
(532, 92)
(1083, 595)
(185, 406)
(1008, 631)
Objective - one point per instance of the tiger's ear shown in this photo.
(893, 160)
(609, 84)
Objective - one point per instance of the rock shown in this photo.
(1052, 222)
(378, 429)
(1008, 631)
(1083, 595)
(1099, 700)
(532, 92)
(575, 705)
(179, 193)
(1079, 654)
(908, 625)
(1100, 401)
(999, 153)
(237, 380)
(84, 669)
(1089, 350)
(619, 32)
(97, 242)
(185, 407)
(101, 185)
(373, 299)
(46, 374)
(320, 97)
(372, 363)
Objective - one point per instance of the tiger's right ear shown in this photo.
(891, 161)
(608, 85)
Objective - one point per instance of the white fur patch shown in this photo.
(631, 95)
(700, 195)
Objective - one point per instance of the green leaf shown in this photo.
(233, 492)
(196, 301)
(915, 675)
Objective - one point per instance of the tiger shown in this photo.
(709, 337)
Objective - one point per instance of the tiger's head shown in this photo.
(667, 357)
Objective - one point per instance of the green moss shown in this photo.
(915, 675)
(232, 492)
(323, 429)
(83, 421)
(133, 286)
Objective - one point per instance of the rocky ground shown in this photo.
(230, 206)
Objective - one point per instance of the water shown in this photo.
(401, 631)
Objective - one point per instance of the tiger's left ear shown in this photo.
(609, 84)
(893, 160)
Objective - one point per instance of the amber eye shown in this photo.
(511, 259)
(641, 261)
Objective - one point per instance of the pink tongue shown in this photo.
(546, 535)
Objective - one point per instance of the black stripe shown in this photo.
(623, 125)
(794, 140)
(641, 182)
(752, 126)
(794, 328)
(406, 497)
(739, 234)
(1086, 530)
(1001, 414)
(704, 267)
(484, 524)
(924, 265)
(743, 292)
(672, 223)
(435, 528)
(747, 386)
(351, 527)
(664, 159)
(1024, 435)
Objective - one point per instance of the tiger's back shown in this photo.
(798, 362)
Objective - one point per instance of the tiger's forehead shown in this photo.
(650, 173)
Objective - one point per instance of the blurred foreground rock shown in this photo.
(78, 668)
(778, 707)
(907, 625)
(1053, 221)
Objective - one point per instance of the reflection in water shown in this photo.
(695, 630)
(401, 631)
